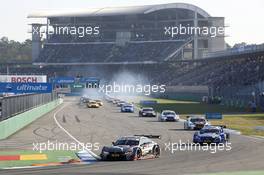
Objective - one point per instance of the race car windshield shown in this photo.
(203, 131)
(147, 110)
(168, 113)
(127, 142)
(197, 120)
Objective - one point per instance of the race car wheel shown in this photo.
(156, 151)
(138, 154)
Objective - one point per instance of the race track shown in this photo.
(104, 125)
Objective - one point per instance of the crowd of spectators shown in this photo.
(107, 52)
(229, 72)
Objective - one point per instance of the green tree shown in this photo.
(11, 50)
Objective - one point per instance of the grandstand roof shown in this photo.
(112, 11)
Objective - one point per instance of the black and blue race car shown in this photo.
(211, 134)
(131, 148)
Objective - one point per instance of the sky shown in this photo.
(245, 19)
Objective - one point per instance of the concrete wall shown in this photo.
(14, 124)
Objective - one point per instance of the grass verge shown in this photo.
(245, 123)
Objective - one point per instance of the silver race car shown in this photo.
(130, 148)
(147, 112)
(168, 115)
(195, 123)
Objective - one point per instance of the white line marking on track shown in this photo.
(70, 135)
(23, 167)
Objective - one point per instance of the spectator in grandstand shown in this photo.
(252, 106)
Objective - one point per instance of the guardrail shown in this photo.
(14, 105)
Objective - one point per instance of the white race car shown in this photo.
(120, 103)
(168, 115)
(195, 122)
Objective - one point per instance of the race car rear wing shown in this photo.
(149, 136)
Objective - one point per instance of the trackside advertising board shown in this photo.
(63, 80)
(73, 80)
(211, 116)
(148, 102)
(21, 88)
(23, 78)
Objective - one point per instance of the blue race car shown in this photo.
(127, 108)
(211, 134)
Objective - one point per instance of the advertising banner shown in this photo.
(23, 78)
(21, 88)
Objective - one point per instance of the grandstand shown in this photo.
(124, 34)
(133, 39)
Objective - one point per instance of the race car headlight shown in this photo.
(143, 113)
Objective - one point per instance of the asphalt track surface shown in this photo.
(106, 124)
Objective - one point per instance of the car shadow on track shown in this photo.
(155, 121)
(181, 129)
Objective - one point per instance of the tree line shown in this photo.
(11, 50)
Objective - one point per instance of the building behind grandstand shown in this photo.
(150, 34)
